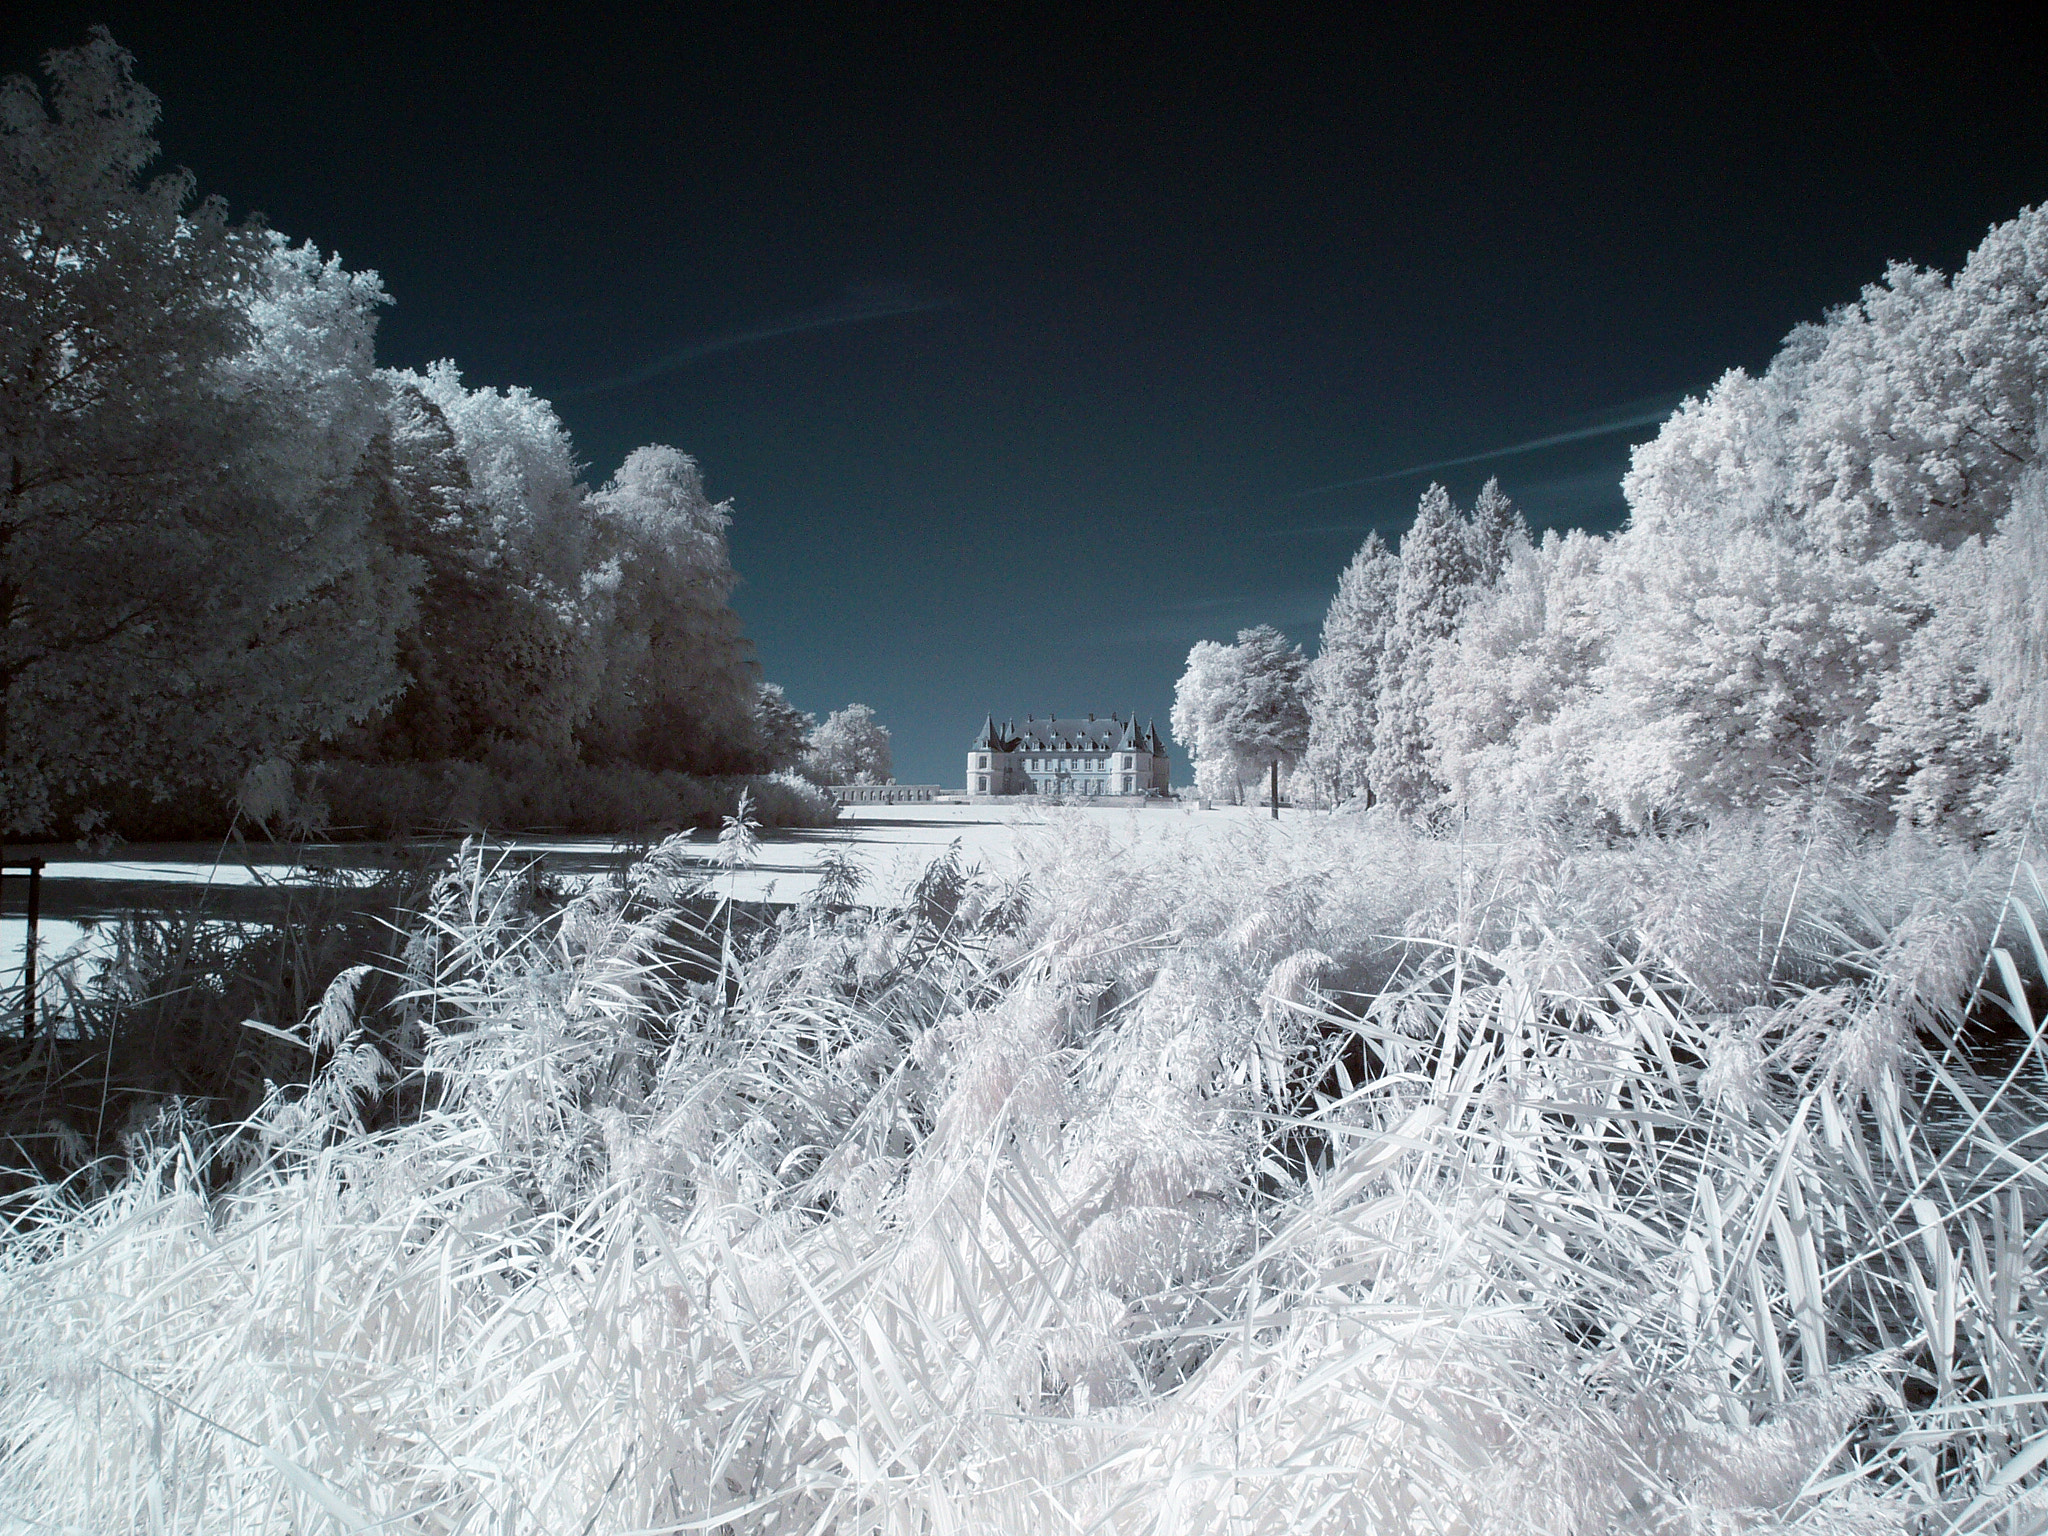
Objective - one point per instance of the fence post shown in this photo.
(28, 951)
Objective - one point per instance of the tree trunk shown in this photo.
(1276, 789)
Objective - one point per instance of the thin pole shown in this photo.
(28, 952)
(1276, 789)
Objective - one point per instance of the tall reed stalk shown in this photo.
(1350, 1182)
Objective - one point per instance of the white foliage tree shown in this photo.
(1741, 669)
(1937, 756)
(1437, 571)
(1344, 680)
(2014, 662)
(1507, 691)
(781, 730)
(451, 701)
(851, 747)
(186, 521)
(681, 688)
(1830, 505)
(1722, 463)
(1910, 415)
(525, 662)
(1242, 709)
(1922, 405)
(1209, 678)
(1494, 531)
(523, 466)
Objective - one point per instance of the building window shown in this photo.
(981, 761)
(1127, 764)
(1127, 780)
(981, 783)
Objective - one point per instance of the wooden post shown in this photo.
(28, 951)
(28, 948)
(1276, 789)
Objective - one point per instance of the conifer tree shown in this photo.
(1506, 691)
(1496, 529)
(1437, 569)
(524, 659)
(1344, 681)
(1268, 722)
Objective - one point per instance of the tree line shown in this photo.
(230, 541)
(1833, 582)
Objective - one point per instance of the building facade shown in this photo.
(1107, 758)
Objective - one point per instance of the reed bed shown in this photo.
(1330, 1179)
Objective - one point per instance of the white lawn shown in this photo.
(894, 843)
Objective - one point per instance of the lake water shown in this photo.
(256, 882)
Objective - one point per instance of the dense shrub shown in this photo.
(517, 792)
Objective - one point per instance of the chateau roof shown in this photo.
(1068, 733)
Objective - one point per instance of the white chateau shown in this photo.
(1055, 756)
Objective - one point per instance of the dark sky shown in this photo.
(1020, 353)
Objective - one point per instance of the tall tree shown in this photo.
(1741, 669)
(1937, 756)
(681, 688)
(185, 415)
(1495, 530)
(1508, 689)
(851, 747)
(1242, 709)
(519, 656)
(448, 705)
(1200, 701)
(1437, 571)
(1344, 681)
(780, 730)
(2015, 663)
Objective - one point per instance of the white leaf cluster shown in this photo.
(1824, 594)
(851, 746)
(1242, 710)
(227, 538)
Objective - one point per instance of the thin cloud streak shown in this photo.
(1296, 609)
(1557, 502)
(1639, 417)
(822, 317)
(1363, 525)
